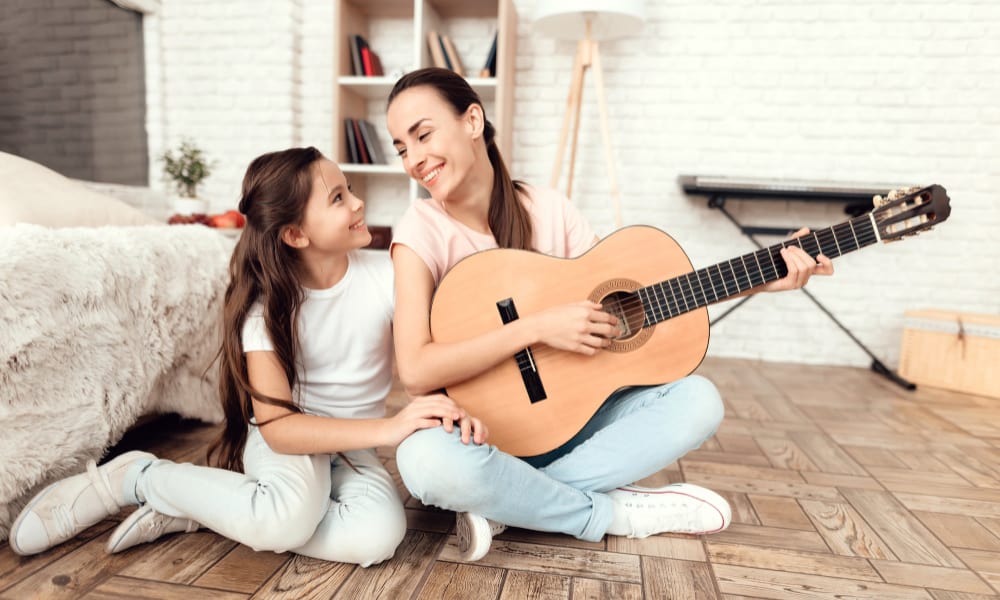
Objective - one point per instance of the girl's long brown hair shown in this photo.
(263, 268)
(508, 219)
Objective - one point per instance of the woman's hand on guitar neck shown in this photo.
(578, 327)
(801, 267)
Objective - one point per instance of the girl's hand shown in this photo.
(578, 327)
(423, 412)
(471, 428)
(801, 267)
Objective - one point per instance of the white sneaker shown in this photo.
(475, 534)
(69, 506)
(145, 525)
(676, 508)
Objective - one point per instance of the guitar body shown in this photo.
(576, 385)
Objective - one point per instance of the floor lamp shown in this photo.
(588, 22)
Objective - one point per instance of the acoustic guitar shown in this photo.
(542, 396)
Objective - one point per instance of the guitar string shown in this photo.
(688, 293)
(864, 238)
(742, 279)
(697, 295)
(741, 282)
(540, 352)
(867, 237)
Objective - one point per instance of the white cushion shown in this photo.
(32, 193)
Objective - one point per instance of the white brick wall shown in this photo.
(856, 90)
(230, 78)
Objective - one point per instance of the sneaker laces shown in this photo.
(102, 485)
(496, 527)
(684, 512)
(154, 527)
(64, 521)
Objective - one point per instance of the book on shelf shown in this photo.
(364, 60)
(352, 144)
(360, 142)
(354, 44)
(490, 67)
(451, 55)
(437, 50)
(443, 52)
(363, 147)
(370, 136)
(357, 44)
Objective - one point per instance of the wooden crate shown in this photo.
(954, 351)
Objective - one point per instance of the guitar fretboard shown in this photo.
(684, 293)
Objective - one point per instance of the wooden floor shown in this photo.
(842, 486)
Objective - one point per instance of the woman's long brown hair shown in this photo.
(509, 220)
(263, 268)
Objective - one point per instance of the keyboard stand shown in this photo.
(758, 189)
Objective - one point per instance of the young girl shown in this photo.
(305, 369)
(439, 128)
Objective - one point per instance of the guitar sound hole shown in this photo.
(628, 308)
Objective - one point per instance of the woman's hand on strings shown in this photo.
(801, 267)
(578, 327)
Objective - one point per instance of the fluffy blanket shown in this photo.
(98, 327)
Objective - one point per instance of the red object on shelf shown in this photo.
(366, 60)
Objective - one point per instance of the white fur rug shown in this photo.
(98, 327)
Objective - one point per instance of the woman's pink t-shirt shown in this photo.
(441, 241)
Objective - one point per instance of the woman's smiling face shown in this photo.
(436, 145)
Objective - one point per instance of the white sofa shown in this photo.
(105, 316)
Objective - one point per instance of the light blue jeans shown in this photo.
(637, 432)
(314, 505)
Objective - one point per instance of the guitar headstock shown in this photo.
(908, 212)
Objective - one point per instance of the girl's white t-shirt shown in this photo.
(345, 338)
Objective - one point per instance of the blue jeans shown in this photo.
(637, 432)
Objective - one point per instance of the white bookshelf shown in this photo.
(361, 97)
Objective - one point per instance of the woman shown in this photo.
(439, 128)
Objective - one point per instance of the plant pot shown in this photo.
(189, 206)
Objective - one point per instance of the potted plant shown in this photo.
(186, 167)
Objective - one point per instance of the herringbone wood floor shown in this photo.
(842, 486)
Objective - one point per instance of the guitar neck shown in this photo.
(721, 281)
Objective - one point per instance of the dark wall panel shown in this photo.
(72, 88)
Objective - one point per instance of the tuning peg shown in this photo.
(895, 194)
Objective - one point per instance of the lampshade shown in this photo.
(610, 19)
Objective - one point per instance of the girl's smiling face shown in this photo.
(334, 218)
